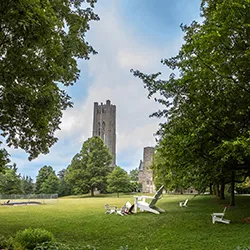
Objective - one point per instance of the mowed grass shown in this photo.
(81, 221)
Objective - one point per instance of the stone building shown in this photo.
(104, 125)
(145, 173)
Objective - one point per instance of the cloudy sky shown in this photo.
(131, 34)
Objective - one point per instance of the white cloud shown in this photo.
(118, 53)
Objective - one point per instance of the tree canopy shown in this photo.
(47, 181)
(207, 103)
(89, 168)
(50, 184)
(64, 187)
(10, 182)
(118, 181)
(39, 44)
(27, 185)
(134, 181)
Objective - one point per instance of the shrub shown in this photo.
(60, 246)
(52, 246)
(3, 242)
(29, 238)
(6, 243)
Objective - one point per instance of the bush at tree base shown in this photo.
(29, 238)
(60, 246)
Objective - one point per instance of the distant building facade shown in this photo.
(104, 125)
(145, 173)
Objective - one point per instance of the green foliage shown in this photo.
(74, 175)
(28, 239)
(118, 181)
(5, 242)
(10, 182)
(133, 175)
(135, 185)
(40, 43)
(64, 188)
(60, 246)
(206, 102)
(46, 181)
(4, 159)
(27, 185)
(244, 187)
(89, 168)
(50, 185)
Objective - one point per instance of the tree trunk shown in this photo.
(222, 191)
(214, 190)
(217, 190)
(232, 200)
(92, 191)
(211, 188)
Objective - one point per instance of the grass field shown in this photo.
(81, 221)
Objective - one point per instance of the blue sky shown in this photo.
(131, 34)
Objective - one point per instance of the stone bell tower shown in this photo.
(145, 173)
(104, 125)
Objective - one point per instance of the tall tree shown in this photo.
(64, 187)
(39, 44)
(206, 138)
(4, 159)
(10, 181)
(89, 168)
(133, 174)
(50, 184)
(118, 181)
(27, 185)
(45, 175)
(134, 181)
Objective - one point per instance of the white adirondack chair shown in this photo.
(219, 217)
(122, 211)
(183, 203)
(109, 210)
(140, 202)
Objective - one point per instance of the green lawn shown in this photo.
(82, 221)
